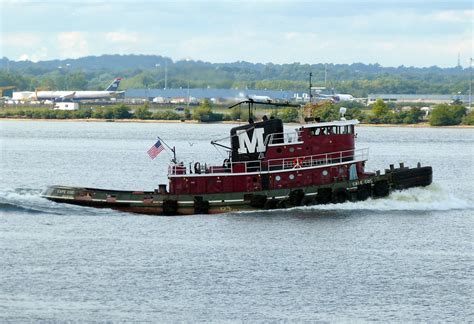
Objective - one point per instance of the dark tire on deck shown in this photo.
(282, 204)
(170, 207)
(200, 206)
(271, 204)
(381, 188)
(324, 196)
(308, 201)
(295, 197)
(363, 192)
(340, 196)
(258, 201)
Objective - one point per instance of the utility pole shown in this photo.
(310, 88)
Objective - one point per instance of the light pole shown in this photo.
(187, 101)
(60, 72)
(65, 71)
(157, 65)
(67, 75)
(470, 84)
(166, 75)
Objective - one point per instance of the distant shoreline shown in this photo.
(162, 121)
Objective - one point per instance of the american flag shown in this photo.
(155, 150)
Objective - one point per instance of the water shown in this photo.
(405, 258)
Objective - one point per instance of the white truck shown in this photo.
(66, 106)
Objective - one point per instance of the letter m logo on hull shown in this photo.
(254, 145)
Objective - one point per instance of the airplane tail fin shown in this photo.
(114, 85)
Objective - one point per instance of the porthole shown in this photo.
(292, 177)
(325, 172)
(292, 149)
(277, 178)
(278, 150)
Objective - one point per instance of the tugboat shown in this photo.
(267, 168)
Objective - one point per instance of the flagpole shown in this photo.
(172, 149)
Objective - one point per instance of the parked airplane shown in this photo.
(109, 92)
(337, 97)
(260, 98)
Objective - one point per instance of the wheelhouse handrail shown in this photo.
(296, 162)
(283, 138)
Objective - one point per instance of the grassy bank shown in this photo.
(378, 114)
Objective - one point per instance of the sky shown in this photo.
(388, 32)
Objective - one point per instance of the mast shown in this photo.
(172, 149)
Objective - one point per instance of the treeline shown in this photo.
(148, 71)
(379, 113)
(382, 113)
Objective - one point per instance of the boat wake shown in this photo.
(29, 201)
(431, 198)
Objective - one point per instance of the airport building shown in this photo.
(424, 98)
(212, 94)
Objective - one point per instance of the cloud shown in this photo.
(29, 46)
(20, 40)
(73, 44)
(392, 32)
(38, 55)
(122, 37)
(451, 16)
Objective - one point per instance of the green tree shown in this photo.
(142, 112)
(187, 113)
(469, 118)
(444, 115)
(121, 112)
(76, 81)
(379, 108)
(288, 114)
(204, 109)
(166, 115)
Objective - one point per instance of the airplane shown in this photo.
(334, 97)
(260, 98)
(109, 92)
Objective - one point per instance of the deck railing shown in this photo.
(299, 162)
(319, 159)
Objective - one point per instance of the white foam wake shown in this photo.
(30, 200)
(428, 198)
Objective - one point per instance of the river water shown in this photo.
(408, 257)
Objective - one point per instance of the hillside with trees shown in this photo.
(148, 71)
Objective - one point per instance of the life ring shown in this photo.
(197, 168)
(297, 163)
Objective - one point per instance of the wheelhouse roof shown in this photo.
(332, 123)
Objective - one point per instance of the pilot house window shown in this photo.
(333, 130)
